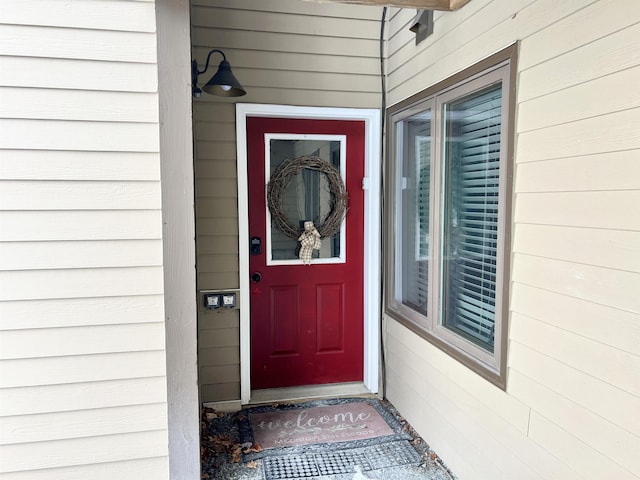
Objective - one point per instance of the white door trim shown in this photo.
(372, 167)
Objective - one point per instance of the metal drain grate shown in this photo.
(392, 454)
(295, 467)
(336, 463)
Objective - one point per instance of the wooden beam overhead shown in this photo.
(447, 5)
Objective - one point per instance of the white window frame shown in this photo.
(498, 69)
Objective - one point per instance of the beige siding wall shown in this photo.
(82, 361)
(571, 408)
(283, 52)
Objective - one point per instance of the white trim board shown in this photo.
(372, 167)
(179, 250)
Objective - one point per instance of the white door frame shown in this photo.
(371, 186)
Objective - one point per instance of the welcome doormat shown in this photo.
(318, 426)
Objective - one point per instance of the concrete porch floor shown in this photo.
(220, 448)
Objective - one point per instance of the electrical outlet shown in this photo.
(221, 299)
(229, 300)
(212, 300)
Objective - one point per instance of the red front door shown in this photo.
(306, 319)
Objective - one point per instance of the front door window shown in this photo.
(306, 197)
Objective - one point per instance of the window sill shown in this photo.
(456, 354)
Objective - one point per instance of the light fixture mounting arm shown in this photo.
(206, 65)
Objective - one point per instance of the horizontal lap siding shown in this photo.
(283, 52)
(153, 467)
(574, 355)
(82, 336)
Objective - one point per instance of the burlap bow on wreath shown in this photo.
(309, 241)
(281, 177)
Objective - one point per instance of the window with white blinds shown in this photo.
(471, 179)
(448, 201)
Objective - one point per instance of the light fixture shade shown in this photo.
(223, 83)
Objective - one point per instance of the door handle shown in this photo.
(256, 276)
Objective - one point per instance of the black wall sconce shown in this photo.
(223, 83)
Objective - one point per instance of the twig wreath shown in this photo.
(280, 179)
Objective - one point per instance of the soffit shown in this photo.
(421, 4)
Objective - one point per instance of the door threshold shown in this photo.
(307, 392)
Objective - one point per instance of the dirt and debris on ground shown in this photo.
(221, 453)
